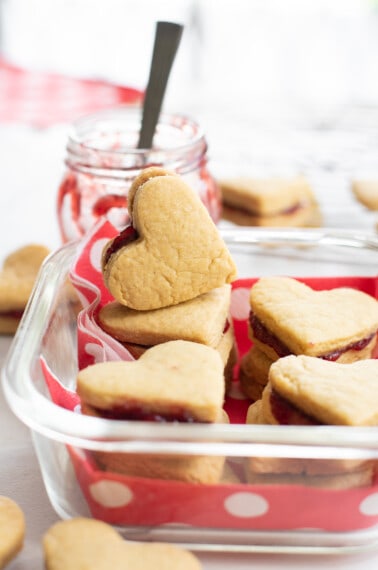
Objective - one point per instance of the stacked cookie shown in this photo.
(169, 273)
(289, 317)
(310, 391)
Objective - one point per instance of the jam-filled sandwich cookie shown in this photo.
(88, 543)
(305, 390)
(288, 317)
(17, 279)
(204, 319)
(269, 202)
(12, 530)
(171, 253)
(177, 381)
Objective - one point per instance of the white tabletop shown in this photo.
(28, 180)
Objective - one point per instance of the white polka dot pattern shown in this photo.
(246, 505)
(369, 506)
(240, 303)
(111, 494)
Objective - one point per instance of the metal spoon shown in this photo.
(167, 40)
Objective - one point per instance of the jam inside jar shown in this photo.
(103, 159)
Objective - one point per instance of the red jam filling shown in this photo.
(287, 414)
(15, 314)
(226, 326)
(143, 414)
(262, 333)
(127, 236)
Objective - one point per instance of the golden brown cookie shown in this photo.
(204, 469)
(12, 530)
(324, 392)
(226, 348)
(172, 253)
(253, 373)
(255, 414)
(268, 202)
(335, 473)
(289, 317)
(303, 466)
(345, 480)
(174, 381)
(308, 215)
(82, 543)
(200, 320)
(366, 192)
(17, 279)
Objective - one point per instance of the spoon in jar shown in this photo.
(167, 40)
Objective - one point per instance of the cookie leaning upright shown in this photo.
(172, 253)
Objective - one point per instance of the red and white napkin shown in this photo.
(42, 99)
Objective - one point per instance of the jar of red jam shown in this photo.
(102, 160)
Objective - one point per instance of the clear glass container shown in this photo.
(232, 515)
(102, 159)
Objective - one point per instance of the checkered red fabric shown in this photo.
(43, 99)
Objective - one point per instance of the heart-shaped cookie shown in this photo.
(199, 320)
(12, 530)
(329, 392)
(17, 279)
(290, 317)
(174, 381)
(91, 544)
(172, 253)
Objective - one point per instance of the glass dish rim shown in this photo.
(43, 416)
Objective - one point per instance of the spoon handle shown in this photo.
(167, 40)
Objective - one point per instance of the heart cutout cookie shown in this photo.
(17, 279)
(199, 320)
(88, 543)
(12, 530)
(332, 393)
(177, 380)
(172, 253)
(311, 322)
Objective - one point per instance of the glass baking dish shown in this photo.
(231, 515)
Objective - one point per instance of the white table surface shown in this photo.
(29, 173)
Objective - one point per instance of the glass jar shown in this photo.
(102, 160)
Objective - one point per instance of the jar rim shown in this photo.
(121, 118)
(105, 143)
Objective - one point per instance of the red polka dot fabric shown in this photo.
(120, 499)
(44, 99)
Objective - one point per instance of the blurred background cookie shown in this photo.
(17, 279)
(12, 530)
(366, 192)
(88, 543)
(269, 202)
